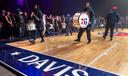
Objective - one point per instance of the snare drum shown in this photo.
(80, 20)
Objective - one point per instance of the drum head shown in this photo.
(83, 20)
(76, 20)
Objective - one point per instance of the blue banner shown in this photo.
(35, 64)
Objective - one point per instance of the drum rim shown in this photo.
(79, 19)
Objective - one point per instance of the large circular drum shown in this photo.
(80, 20)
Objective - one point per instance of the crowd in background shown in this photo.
(15, 25)
(123, 23)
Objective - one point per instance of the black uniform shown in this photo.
(111, 20)
(25, 23)
(39, 22)
(88, 29)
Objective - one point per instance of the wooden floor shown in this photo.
(104, 54)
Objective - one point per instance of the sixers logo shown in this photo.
(84, 20)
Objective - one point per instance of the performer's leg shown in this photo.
(111, 32)
(20, 32)
(88, 32)
(116, 27)
(41, 34)
(40, 29)
(122, 26)
(81, 30)
(106, 31)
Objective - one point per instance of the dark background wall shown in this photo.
(48, 6)
(102, 7)
(59, 7)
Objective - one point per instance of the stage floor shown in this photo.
(103, 54)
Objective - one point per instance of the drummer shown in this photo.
(90, 13)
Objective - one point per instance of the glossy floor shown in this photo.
(104, 54)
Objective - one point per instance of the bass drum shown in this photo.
(80, 20)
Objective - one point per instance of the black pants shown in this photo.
(40, 28)
(88, 32)
(21, 30)
(111, 27)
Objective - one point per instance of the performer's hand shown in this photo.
(89, 22)
(11, 25)
(1, 23)
(0, 26)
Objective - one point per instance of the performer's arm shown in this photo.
(92, 17)
(118, 17)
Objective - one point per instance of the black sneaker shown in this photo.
(104, 37)
(88, 42)
(77, 40)
(111, 39)
(32, 41)
(42, 40)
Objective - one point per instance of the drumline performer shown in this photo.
(38, 18)
(112, 18)
(90, 13)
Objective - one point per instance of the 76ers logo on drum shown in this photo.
(83, 20)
